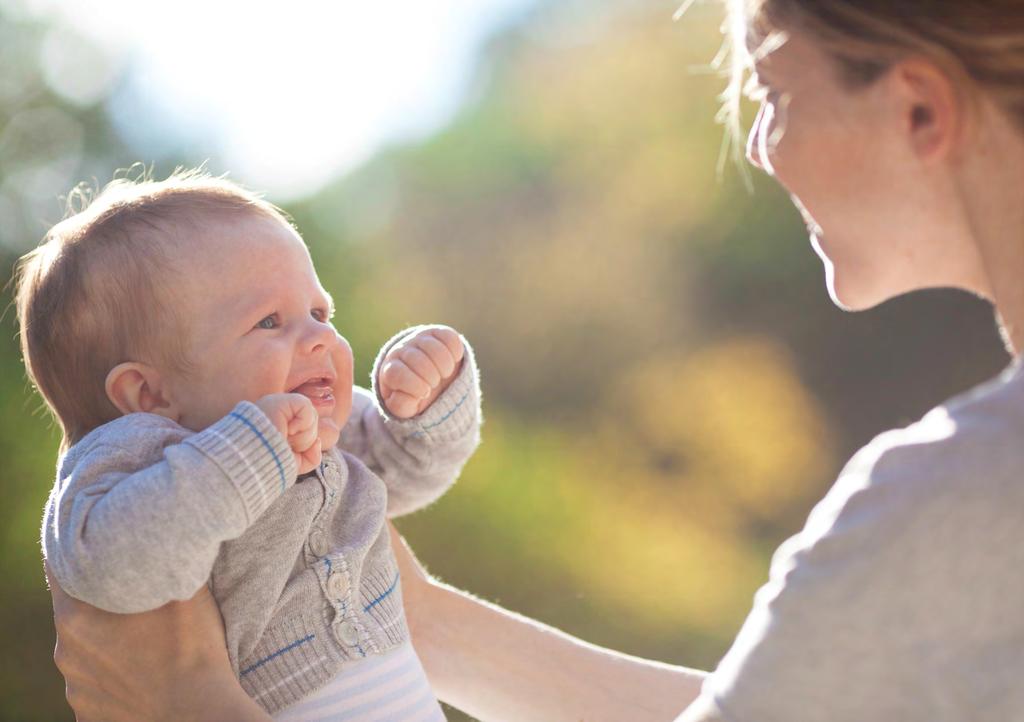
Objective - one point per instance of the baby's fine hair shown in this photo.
(99, 289)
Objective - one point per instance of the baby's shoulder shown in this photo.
(133, 441)
(137, 431)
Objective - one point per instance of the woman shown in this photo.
(899, 130)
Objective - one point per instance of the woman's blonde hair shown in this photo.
(100, 289)
(980, 43)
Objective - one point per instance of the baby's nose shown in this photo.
(321, 336)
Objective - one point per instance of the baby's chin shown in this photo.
(330, 432)
(332, 423)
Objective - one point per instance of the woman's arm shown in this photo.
(497, 665)
(167, 664)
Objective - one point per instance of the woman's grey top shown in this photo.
(903, 596)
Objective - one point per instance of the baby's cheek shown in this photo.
(343, 361)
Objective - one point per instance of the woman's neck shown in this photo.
(991, 185)
(1003, 254)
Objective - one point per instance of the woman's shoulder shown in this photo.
(954, 473)
(904, 576)
(974, 436)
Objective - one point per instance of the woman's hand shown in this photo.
(167, 664)
(170, 663)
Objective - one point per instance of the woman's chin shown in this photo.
(848, 296)
(852, 286)
(835, 291)
(844, 297)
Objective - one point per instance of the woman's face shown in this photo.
(882, 218)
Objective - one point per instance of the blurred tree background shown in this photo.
(668, 388)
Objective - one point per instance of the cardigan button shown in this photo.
(347, 633)
(337, 585)
(318, 543)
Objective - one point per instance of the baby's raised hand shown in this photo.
(418, 369)
(294, 416)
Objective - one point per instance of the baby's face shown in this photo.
(258, 323)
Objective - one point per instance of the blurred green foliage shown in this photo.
(667, 386)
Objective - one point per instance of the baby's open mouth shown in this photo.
(318, 390)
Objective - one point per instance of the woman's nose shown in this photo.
(753, 141)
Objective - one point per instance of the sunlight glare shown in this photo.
(295, 93)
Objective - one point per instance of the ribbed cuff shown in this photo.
(453, 415)
(253, 455)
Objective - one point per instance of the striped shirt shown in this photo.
(387, 688)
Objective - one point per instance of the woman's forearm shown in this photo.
(497, 665)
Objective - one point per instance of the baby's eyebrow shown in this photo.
(249, 307)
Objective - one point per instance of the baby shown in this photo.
(212, 435)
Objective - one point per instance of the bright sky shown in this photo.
(297, 91)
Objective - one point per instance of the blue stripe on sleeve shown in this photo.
(280, 467)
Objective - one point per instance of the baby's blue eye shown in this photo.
(268, 323)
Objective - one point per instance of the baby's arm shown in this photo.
(423, 422)
(128, 534)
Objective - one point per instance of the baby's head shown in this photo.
(179, 297)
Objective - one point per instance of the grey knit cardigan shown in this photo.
(144, 512)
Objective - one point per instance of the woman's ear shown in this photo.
(932, 111)
(134, 387)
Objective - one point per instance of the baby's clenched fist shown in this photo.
(294, 416)
(418, 369)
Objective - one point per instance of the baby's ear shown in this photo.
(134, 387)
